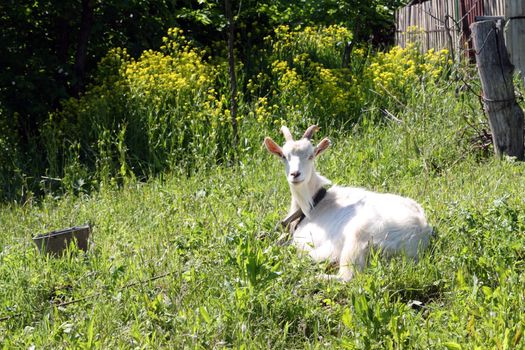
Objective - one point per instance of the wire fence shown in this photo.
(440, 24)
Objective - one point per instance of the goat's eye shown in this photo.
(311, 157)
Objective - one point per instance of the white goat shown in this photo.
(341, 224)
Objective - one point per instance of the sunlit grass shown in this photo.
(191, 261)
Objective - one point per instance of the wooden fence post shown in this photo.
(495, 70)
(515, 33)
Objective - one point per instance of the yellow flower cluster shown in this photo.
(395, 70)
(166, 98)
(335, 90)
(214, 110)
(155, 72)
(288, 80)
(306, 74)
(255, 85)
(174, 40)
(434, 62)
(415, 30)
(159, 76)
(264, 112)
(176, 77)
(326, 37)
(321, 41)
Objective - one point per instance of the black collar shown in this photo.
(299, 215)
(317, 198)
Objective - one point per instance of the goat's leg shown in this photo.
(322, 253)
(353, 258)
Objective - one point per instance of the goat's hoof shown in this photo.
(284, 240)
(327, 277)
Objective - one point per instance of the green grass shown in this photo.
(189, 259)
(192, 262)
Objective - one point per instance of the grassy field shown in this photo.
(192, 261)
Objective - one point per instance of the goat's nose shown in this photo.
(295, 174)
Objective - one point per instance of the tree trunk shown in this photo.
(233, 79)
(495, 70)
(451, 46)
(86, 23)
(345, 62)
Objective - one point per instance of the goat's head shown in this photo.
(298, 156)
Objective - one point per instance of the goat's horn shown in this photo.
(287, 134)
(310, 132)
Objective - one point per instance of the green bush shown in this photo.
(305, 80)
(142, 115)
(396, 74)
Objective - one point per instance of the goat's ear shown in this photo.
(322, 146)
(272, 147)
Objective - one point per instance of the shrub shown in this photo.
(323, 45)
(304, 77)
(398, 72)
(142, 115)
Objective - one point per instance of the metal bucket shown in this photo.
(56, 242)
